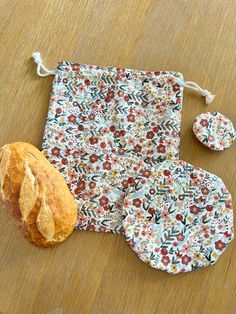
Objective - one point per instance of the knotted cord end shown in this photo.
(208, 96)
(37, 57)
(204, 92)
(38, 60)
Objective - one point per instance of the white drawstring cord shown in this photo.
(204, 92)
(38, 60)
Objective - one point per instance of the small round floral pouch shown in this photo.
(179, 218)
(214, 130)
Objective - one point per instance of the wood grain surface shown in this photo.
(92, 272)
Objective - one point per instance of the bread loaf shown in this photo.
(36, 194)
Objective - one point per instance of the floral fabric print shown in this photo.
(214, 130)
(179, 218)
(106, 125)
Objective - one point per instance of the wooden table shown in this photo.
(92, 272)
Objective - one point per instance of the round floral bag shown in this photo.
(179, 218)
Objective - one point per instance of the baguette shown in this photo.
(36, 194)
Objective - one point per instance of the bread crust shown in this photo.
(36, 194)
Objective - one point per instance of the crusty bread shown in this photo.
(36, 194)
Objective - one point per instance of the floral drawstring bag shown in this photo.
(114, 135)
(105, 126)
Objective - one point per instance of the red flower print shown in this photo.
(146, 173)
(91, 116)
(107, 100)
(210, 138)
(151, 211)
(213, 231)
(219, 245)
(90, 228)
(201, 199)
(125, 183)
(80, 151)
(227, 235)
(77, 191)
(121, 151)
(164, 251)
(107, 165)
(92, 185)
(204, 122)
(205, 191)
(193, 176)
(179, 217)
(152, 191)
(167, 173)
(55, 151)
(131, 181)
(131, 243)
(150, 135)
(131, 141)
(170, 80)
(156, 129)
(131, 117)
(93, 158)
(209, 208)
(103, 145)
(185, 259)
(120, 93)
(103, 201)
(87, 82)
(122, 133)
(64, 161)
(137, 202)
(176, 87)
(111, 94)
(75, 67)
(112, 128)
(229, 204)
(175, 133)
(106, 190)
(181, 197)
(165, 260)
(81, 185)
(194, 209)
(117, 133)
(126, 98)
(80, 127)
(144, 104)
(161, 148)
(137, 148)
(102, 229)
(180, 237)
(58, 111)
(72, 118)
(93, 140)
